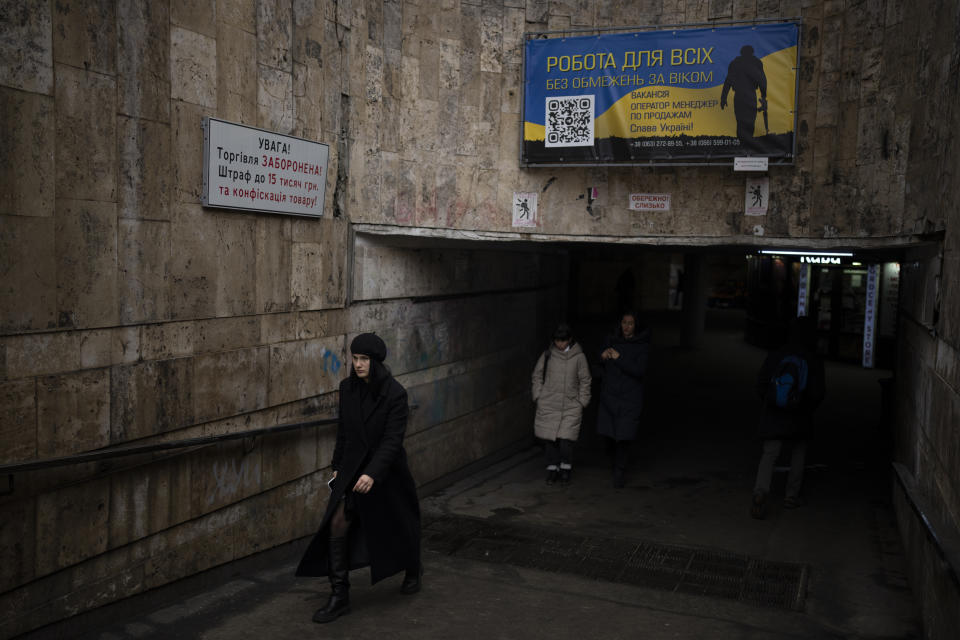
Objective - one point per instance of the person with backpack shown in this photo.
(561, 388)
(791, 386)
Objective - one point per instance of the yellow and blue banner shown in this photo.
(661, 97)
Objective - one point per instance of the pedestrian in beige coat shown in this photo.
(561, 389)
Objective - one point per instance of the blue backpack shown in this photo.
(788, 383)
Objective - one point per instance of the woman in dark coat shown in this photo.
(624, 359)
(373, 516)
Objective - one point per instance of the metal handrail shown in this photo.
(116, 452)
(947, 544)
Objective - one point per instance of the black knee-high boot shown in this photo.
(621, 455)
(339, 602)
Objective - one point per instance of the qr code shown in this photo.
(569, 121)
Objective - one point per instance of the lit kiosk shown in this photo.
(852, 300)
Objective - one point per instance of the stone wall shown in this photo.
(927, 424)
(439, 126)
(131, 314)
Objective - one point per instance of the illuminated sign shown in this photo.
(819, 260)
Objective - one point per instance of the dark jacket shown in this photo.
(777, 423)
(385, 529)
(621, 395)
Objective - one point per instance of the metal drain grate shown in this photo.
(690, 570)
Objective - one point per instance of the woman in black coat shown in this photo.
(624, 359)
(373, 516)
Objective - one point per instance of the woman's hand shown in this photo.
(609, 354)
(364, 484)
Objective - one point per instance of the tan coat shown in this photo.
(562, 396)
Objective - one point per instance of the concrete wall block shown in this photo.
(510, 97)
(236, 280)
(426, 202)
(491, 38)
(278, 327)
(18, 534)
(27, 164)
(42, 354)
(238, 13)
(140, 503)
(275, 34)
(307, 280)
(326, 443)
(417, 346)
(950, 306)
(73, 413)
(320, 324)
(18, 422)
(370, 178)
(536, 10)
(194, 547)
(86, 248)
(305, 368)
(225, 334)
(437, 452)
(275, 99)
(230, 383)
(168, 340)
(193, 268)
(143, 60)
(223, 475)
(390, 164)
(187, 139)
(143, 153)
(429, 69)
(85, 36)
(143, 262)
(236, 74)
(86, 148)
(193, 66)
(28, 272)
(513, 28)
(83, 510)
(281, 514)
(199, 16)
(308, 89)
(332, 82)
(288, 456)
(449, 71)
(828, 100)
(335, 263)
(106, 347)
(26, 46)
(150, 398)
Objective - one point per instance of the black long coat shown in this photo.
(621, 395)
(776, 423)
(385, 529)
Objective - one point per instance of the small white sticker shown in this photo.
(525, 209)
(757, 196)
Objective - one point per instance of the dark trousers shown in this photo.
(559, 453)
(619, 452)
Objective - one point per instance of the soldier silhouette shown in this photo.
(745, 75)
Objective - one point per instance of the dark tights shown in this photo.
(339, 525)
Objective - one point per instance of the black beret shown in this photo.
(369, 344)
